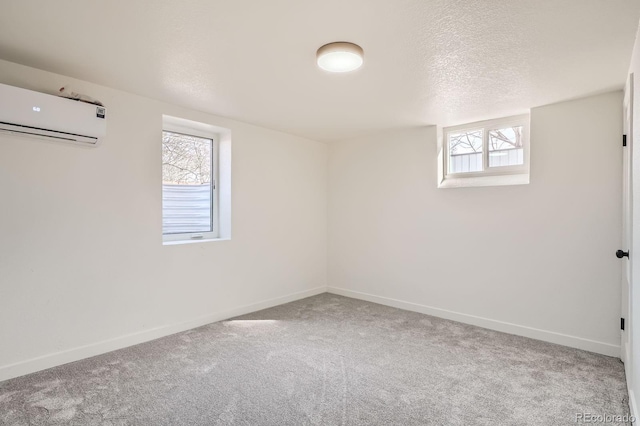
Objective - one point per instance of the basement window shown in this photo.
(486, 153)
(194, 202)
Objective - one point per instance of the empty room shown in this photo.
(360, 212)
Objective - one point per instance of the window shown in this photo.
(191, 202)
(465, 151)
(486, 153)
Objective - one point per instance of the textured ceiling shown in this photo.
(426, 61)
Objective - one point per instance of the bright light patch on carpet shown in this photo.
(248, 323)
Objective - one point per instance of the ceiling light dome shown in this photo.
(340, 56)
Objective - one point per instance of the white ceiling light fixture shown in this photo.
(340, 56)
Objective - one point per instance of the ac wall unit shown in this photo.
(28, 113)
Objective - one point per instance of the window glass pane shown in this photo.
(505, 147)
(186, 184)
(465, 152)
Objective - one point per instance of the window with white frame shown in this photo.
(196, 181)
(189, 190)
(493, 152)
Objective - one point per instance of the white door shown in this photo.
(626, 212)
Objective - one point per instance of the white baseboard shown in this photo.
(75, 354)
(627, 365)
(519, 330)
(633, 407)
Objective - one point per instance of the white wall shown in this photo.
(81, 254)
(536, 260)
(633, 364)
(80, 274)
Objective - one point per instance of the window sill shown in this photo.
(202, 240)
(477, 181)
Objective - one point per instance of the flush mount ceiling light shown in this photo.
(340, 56)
